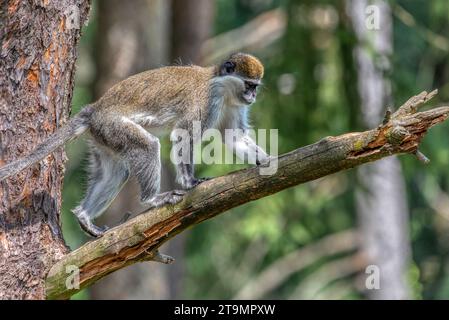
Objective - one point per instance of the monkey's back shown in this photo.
(176, 87)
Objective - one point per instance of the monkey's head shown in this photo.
(249, 69)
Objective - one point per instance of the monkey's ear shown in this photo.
(227, 68)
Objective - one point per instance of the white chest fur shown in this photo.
(225, 107)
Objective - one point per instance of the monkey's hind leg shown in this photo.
(145, 165)
(141, 151)
(107, 175)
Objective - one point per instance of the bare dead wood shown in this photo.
(138, 239)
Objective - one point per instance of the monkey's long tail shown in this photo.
(74, 127)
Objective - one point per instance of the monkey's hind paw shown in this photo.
(169, 197)
(90, 228)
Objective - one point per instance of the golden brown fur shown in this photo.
(247, 66)
(158, 88)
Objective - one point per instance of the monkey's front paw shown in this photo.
(264, 162)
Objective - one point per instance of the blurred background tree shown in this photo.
(316, 240)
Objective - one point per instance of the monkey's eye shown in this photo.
(250, 85)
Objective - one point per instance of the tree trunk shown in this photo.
(381, 198)
(192, 24)
(131, 38)
(38, 53)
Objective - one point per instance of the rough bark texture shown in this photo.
(38, 51)
(381, 199)
(138, 239)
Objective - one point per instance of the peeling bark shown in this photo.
(37, 57)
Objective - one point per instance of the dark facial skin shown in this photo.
(250, 93)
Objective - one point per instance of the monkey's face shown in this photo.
(250, 92)
(247, 69)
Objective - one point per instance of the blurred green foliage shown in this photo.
(309, 92)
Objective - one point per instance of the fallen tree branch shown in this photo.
(139, 238)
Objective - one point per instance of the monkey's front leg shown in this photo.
(182, 156)
(185, 176)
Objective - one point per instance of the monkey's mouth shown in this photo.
(249, 98)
